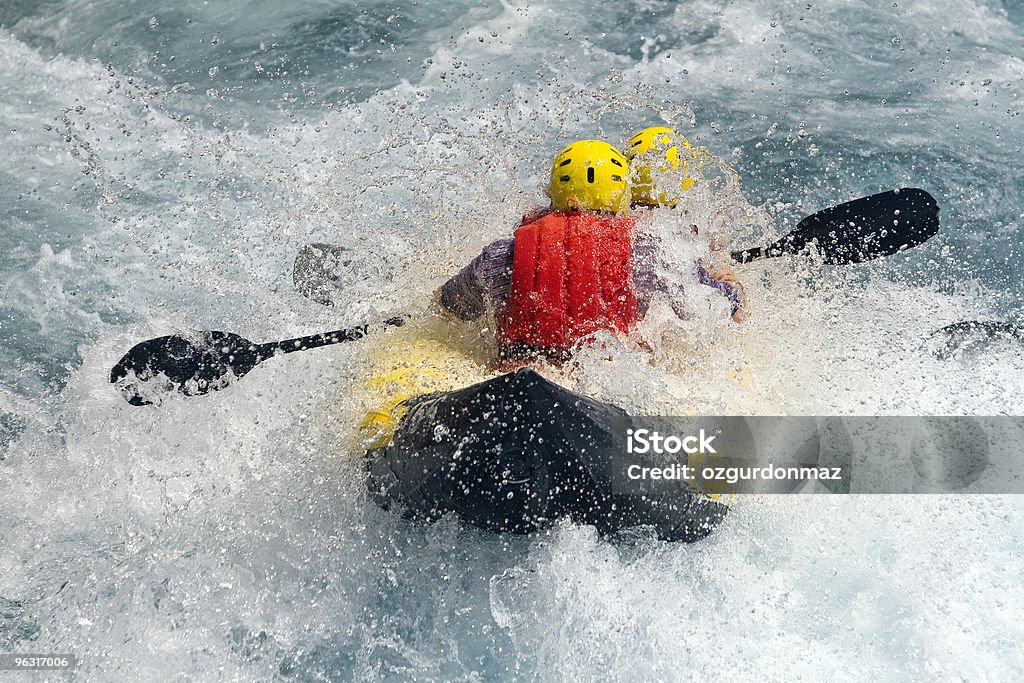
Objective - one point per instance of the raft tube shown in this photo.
(517, 453)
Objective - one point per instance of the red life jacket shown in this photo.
(572, 276)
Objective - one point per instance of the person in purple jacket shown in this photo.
(486, 280)
(663, 167)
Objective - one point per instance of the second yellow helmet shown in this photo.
(590, 175)
(653, 153)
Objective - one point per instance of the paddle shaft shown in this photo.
(317, 340)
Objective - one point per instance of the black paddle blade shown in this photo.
(861, 230)
(971, 335)
(197, 364)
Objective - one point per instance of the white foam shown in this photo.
(230, 533)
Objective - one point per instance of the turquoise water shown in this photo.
(163, 166)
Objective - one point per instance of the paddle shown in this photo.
(863, 229)
(860, 230)
(206, 361)
(957, 338)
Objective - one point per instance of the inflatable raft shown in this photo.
(516, 453)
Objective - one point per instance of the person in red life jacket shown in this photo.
(569, 271)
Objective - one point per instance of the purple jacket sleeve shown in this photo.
(705, 277)
(646, 248)
(483, 283)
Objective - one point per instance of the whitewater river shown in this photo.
(163, 164)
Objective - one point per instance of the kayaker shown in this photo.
(663, 167)
(579, 267)
(677, 170)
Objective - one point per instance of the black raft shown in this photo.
(516, 453)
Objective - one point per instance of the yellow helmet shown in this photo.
(658, 145)
(589, 175)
